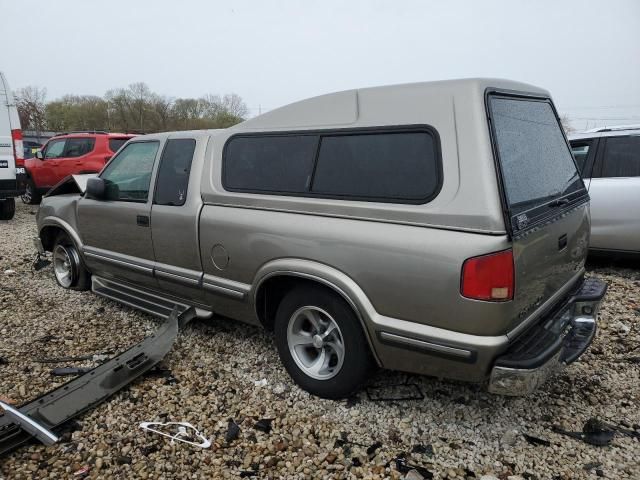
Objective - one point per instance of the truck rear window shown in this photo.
(536, 163)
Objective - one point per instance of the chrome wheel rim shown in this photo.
(62, 266)
(27, 195)
(315, 343)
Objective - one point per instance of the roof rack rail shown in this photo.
(97, 132)
(614, 128)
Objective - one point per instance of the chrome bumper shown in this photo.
(557, 341)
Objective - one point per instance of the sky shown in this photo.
(587, 53)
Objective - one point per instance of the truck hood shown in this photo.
(71, 184)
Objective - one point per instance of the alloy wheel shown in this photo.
(315, 342)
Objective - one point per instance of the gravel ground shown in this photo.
(456, 431)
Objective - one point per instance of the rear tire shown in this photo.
(68, 267)
(7, 208)
(30, 195)
(313, 320)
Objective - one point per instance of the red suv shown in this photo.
(69, 154)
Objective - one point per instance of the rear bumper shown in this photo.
(560, 339)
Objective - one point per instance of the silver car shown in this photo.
(437, 228)
(609, 160)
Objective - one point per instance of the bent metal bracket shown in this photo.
(41, 417)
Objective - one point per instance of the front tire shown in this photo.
(68, 267)
(7, 208)
(30, 195)
(321, 342)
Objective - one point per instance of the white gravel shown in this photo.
(457, 431)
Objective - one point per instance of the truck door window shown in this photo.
(76, 147)
(622, 157)
(128, 175)
(54, 149)
(173, 173)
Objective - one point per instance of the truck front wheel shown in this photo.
(68, 267)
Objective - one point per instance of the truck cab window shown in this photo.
(128, 175)
(173, 174)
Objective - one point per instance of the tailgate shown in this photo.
(544, 198)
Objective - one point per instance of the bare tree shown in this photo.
(566, 124)
(161, 107)
(234, 105)
(118, 108)
(30, 102)
(140, 94)
(126, 109)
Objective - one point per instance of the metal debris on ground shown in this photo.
(394, 392)
(405, 467)
(371, 451)
(594, 432)
(162, 372)
(39, 263)
(185, 433)
(423, 450)
(264, 425)
(536, 441)
(233, 431)
(56, 407)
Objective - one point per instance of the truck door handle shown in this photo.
(562, 242)
(142, 220)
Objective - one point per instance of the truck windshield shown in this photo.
(536, 163)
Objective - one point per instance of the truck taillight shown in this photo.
(18, 148)
(489, 277)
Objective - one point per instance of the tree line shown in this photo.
(132, 109)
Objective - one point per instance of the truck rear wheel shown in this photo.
(7, 208)
(68, 267)
(321, 343)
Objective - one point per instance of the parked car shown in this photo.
(11, 156)
(68, 154)
(609, 160)
(437, 228)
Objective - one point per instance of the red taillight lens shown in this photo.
(18, 148)
(489, 277)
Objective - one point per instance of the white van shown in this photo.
(12, 172)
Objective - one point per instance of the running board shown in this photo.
(136, 297)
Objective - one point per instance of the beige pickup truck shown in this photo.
(438, 228)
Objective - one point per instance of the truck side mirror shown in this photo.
(39, 155)
(96, 188)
